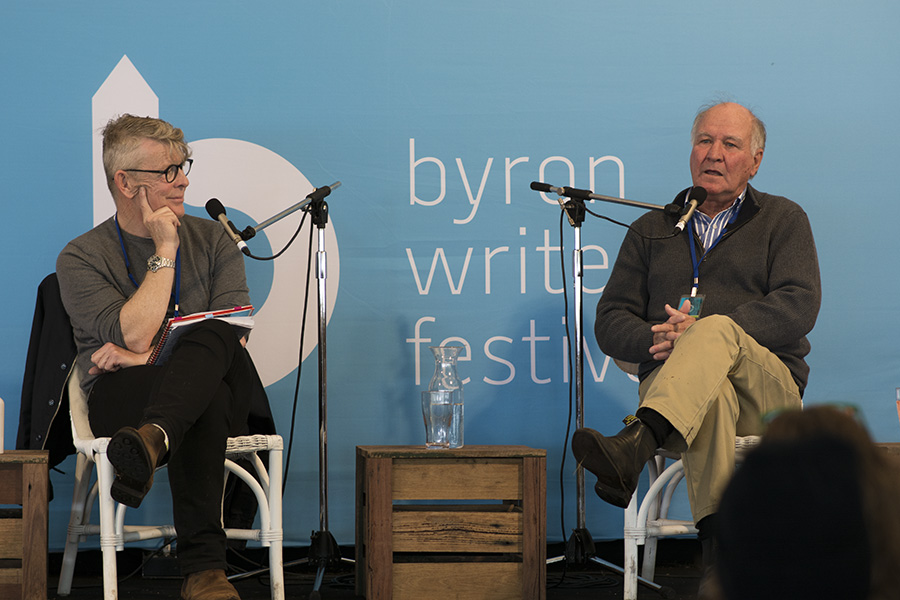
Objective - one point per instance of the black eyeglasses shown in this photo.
(171, 172)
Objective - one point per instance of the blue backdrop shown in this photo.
(435, 117)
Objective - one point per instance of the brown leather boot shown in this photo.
(616, 461)
(135, 454)
(208, 585)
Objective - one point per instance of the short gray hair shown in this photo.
(122, 137)
(758, 128)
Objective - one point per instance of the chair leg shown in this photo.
(632, 533)
(77, 519)
(267, 487)
(648, 570)
(276, 560)
(108, 538)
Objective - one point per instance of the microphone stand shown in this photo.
(323, 550)
(317, 194)
(580, 545)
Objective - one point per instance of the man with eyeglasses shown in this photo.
(120, 282)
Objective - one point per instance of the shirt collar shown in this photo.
(735, 207)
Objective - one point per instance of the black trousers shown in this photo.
(200, 397)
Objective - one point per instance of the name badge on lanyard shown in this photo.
(694, 299)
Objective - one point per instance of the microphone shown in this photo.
(696, 197)
(217, 212)
(539, 186)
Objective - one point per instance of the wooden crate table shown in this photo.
(890, 447)
(463, 523)
(23, 532)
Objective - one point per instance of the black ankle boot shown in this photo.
(616, 461)
(135, 454)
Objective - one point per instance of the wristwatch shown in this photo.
(156, 262)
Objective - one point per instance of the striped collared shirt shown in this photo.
(710, 228)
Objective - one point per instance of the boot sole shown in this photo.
(613, 496)
(134, 474)
(129, 492)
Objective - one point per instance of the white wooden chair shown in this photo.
(647, 518)
(113, 532)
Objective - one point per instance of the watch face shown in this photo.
(155, 262)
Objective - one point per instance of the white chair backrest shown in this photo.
(78, 409)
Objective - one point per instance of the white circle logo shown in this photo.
(251, 179)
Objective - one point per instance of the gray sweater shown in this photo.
(763, 273)
(94, 281)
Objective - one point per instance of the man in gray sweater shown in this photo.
(716, 319)
(119, 283)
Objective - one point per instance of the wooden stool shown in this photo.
(414, 542)
(23, 533)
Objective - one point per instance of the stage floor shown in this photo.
(677, 568)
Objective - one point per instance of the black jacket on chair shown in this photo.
(44, 412)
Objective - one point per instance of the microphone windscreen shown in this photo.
(699, 194)
(540, 187)
(215, 208)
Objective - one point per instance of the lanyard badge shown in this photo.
(695, 299)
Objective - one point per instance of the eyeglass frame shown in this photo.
(170, 169)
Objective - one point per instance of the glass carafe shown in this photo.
(446, 378)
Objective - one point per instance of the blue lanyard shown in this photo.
(694, 261)
(177, 293)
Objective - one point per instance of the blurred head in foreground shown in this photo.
(811, 514)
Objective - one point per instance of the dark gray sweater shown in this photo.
(94, 282)
(763, 273)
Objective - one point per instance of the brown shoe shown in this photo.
(710, 589)
(135, 454)
(616, 461)
(208, 585)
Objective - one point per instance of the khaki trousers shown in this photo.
(718, 383)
